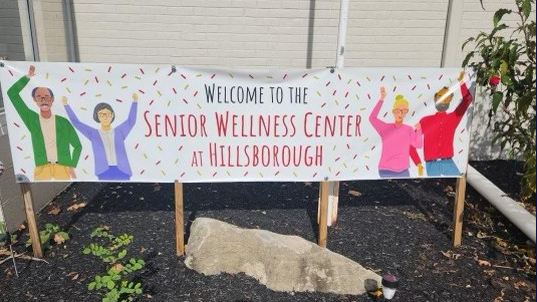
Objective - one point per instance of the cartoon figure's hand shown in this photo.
(64, 100)
(461, 76)
(420, 169)
(417, 126)
(382, 92)
(135, 97)
(31, 71)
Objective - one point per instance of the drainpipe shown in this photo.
(523, 219)
(333, 186)
(69, 31)
(33, 31)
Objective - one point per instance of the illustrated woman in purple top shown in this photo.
(107, 142)
(397, 138)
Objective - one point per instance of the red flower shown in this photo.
(494, 80)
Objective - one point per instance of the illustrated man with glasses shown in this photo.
(53, 136)
(439, 130)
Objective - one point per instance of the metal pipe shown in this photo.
(69, 31)
(33, 31)
(523, 219)
(342, 33)
(340, 62)
(446, 33)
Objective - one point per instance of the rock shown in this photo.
(282, 263)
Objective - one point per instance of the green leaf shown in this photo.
(45, 238)
(526, 8)
(122, 254)
(110, 285)
(496, 99)
(86, 251)
(466, 42)
(499, 14)
(64, 235)
(138, 291)
(513, 54)
(91, 286)
(524, 102)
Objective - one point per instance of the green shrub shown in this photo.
(52, 232)
(504, 60)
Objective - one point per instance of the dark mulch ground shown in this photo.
(397, 227)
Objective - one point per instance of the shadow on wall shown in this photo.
(481, 147)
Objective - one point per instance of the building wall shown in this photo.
(260, 34)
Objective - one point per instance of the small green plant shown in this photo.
(117, 283)
(504, 60)
(52, 232)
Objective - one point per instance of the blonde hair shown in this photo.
(400, 101)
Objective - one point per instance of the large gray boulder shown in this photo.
(282, 263)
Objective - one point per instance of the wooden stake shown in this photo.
(333, 197)
(458, 210)
(30, 218)
(179, 222)
(323, 215)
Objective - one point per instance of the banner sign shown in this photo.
(160, 123)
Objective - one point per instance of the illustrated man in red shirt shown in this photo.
(439, 130)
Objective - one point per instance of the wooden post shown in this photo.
(30, 218)
(458, 210)
(333, 197)
(179, 222)
(323, 213)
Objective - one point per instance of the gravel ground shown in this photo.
(397, 227)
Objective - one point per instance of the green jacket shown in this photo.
(65, 133)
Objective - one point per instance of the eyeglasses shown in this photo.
(399, 111)
(45, 97)
(104, 114)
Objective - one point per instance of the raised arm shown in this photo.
(466, 98)
(13, 94)
(80, 126)
(379, 125)
(126, 127)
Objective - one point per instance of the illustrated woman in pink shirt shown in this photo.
(396, 138)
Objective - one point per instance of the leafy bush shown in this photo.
(117, 283)
(504, 60)
(52, 232)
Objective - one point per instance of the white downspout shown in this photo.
(523, 219)
(333, 187)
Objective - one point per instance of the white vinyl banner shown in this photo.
(159, 123)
